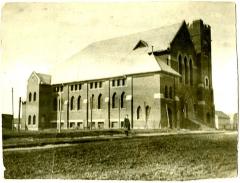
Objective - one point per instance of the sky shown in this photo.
(39, 36)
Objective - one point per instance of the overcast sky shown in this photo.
(36, 37)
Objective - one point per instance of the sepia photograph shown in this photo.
(119, 91)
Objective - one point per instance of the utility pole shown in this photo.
(12, 111)
(19, 112)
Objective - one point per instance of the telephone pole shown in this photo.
(12, 111)
(19, 112)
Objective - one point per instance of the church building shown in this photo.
(160, 78)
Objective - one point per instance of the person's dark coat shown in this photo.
(126, 124)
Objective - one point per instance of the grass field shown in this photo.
(179, 157)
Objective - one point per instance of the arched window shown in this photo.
(186, 70)
(114, 100)
(123, 100)
(180, 67)
(100, 101)
(170, 93)
(147, 112)
(72, 103)
(30, 97)
(29, 119)
(79, 103)
(34, 120)
(34, 96)
(92, 102)
(166, 92)
(139, 112)
(55, 104)
(191, 71)
(206, 82)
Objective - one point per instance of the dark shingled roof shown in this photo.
(117, 57)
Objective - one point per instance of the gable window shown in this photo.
(72, 103)
(139, 112)
(170, 93)
(34, 96)
(79, 103)
(114, 100)
(30, 97)
(100, 101)
(166, 92)
(118, 82)
(123, 100)
(29, 119)
(123, 82)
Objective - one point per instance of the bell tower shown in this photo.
(201, 38)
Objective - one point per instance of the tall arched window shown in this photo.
(55, 104)
(29, 119)
(166, 92)
(34, 120)
(139, 112)
(92, 102)
(34, 96)
(79, 103)
(72, 103)
(30, 97)
(123, 100)
(180, 67)
(170, 93)
(114, 100)
(147, 112)
(186, 70)
(191, 71)
(206, 82)
(100, 101)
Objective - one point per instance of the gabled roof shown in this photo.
(117, 57)
(43, 78)
(222, 114)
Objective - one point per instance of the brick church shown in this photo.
(161, 78)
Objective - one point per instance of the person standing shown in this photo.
(126, 125)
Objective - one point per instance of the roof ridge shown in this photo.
(136, 33)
